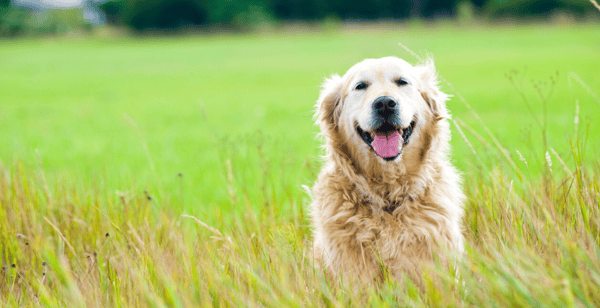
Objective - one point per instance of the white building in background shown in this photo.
(90, 10)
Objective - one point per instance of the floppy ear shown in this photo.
(430, 90)
(328, 106)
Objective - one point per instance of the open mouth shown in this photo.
(386, 139)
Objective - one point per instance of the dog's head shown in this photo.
(383, 111)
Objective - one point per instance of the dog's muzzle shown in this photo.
(389, 136)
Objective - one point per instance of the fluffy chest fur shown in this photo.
(357, 233)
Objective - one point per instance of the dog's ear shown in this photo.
(430, 90)
(328, 106)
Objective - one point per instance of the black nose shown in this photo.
(385, 106)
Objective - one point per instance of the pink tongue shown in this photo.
(386, 146)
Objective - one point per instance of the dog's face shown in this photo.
(381, 108)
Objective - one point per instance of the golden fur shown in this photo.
(371, 215)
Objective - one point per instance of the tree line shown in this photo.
(144, 15)
(169, 14)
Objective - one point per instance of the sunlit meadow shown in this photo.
(171, 172)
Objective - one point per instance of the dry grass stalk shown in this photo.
(576, 77)
(481, 122)
(561, 161)
(218, 235)
(146, 150)
(60, 234)
(464, 137)
(231, 186)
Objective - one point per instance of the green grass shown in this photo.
(68, 98)
(113, 118)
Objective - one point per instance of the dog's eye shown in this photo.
(361, 86)
(401, 82)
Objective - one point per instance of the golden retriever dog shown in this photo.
(387, 198)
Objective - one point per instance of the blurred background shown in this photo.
(118, 116)
(186, 99)
(52, 17)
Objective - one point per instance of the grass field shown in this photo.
(109, 141)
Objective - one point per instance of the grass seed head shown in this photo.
(522, 159)
(549, 160)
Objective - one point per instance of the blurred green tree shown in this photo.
(13, 20)
(519, 8)
(256, 14)
(444, 8)
(112, 11)
(244, 15)
(300, 9)
(155, 14)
